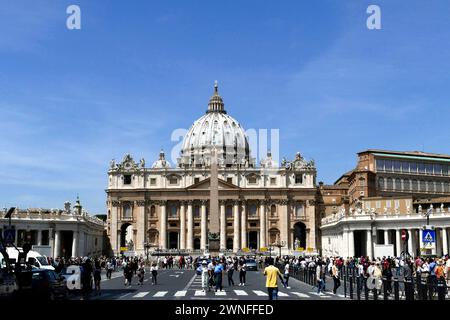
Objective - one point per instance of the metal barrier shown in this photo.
(392, 288)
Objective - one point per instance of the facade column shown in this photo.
(369, 244)
(115, 242)
(236, 226)
(410, 242)
(386, 236)
(444, 241)
(223, 226)
(182, 226)
(351, 243)
(398, 241)
(244, 225)
(75, 244)
(141, 228)
(57, 248)
(343, 248)
(39, 237)
(284, 223)
(262, 221)
(204, 226)
(190, 227)
(311, 214)
(163, 230)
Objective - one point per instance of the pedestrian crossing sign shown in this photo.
(9, 235)
(428, 238)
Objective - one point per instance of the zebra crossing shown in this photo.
(238, 293)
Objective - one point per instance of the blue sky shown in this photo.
(71, 100)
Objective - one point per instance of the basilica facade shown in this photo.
(174, 206)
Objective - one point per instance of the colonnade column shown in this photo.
(351, 243)
(398, 242)
(369, 244)
(284, 222)
(236, 226)
(386, 236)
(75, 244)
(190, 227)
(204, 226)
(444, 241)
(262, 221)
(115, 240)
(182, 226)
(223, 226)
(39, 237)
(163, 230)
(57, 248)
(243, 226)
(410, 242)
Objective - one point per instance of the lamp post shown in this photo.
(279, 245)
(147, 248)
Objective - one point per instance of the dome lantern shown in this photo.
(216, 102)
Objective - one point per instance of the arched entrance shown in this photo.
(173, 240)
(253, 239)
(126, 235)
(230, 243)
(196, 244)
(300, 234)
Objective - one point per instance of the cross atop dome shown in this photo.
(216, 102)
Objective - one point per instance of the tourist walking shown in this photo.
(335, 275)
(154, 272)
(272, 274)
(242, 272)
(141, 274)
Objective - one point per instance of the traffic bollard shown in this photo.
(396, 290)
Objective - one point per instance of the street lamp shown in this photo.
(279, 245)
(147, 248)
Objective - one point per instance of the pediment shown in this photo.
(206, 184)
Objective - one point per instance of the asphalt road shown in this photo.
(175, 284)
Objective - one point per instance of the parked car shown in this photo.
(251, 264)
(45, 284)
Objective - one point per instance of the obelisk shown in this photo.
(214, 225)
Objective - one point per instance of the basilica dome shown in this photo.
(215, 130)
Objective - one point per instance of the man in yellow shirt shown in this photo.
(272, 273)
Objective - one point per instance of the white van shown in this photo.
(35, 258)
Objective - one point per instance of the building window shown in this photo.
(367, 205)
(127, 179)
(299, 212)
(413, 167)
(381, 183)
(298, 179)
(414, 185)
(127, 211)
(405, 167)
(252, 210)
(252, 180)
(173, 180)
(273, 181)
(152, 211)
(153, 181)
(388, 165)
(397, 185)
(45, 238)
(437, 169)
(422, 168)
(173, 211)
(361, 182)
(196, 224)
(380, 165)
(445, 170)
(230, 224)
(196, 211)
(196, 180)
(388, 204)
(378, 204)
(230, 180)
(273, 210)
(397, 204)
(389, 184)
(229, 211)
(397, 166)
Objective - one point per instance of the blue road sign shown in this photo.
(9, 235)
(429, 236)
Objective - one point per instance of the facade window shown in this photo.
(446, 187)
(445, 170)
(414, 185)
(152, 211)
(273, 210)
(173, 210)
(252, 180)
(397, 204)
(196, 211)
(378, 204)
(381, 183)
(367, 205)
(397, 166)
(389, 183)
(252, 209)
(388, 204)
(422, 168)
(429, 168)
(153, 181)
(380, 165)
(361, 182)
(45, 237)
(413, 167)
(405, 167)
(230, 180)
(196, 180)
(422, 185)
(298, 179)
(397, 185)
(299, 211)
(273, 181)
(437, 169)
(388, 165)
(127, 211)
(173, 180)
(127, 179)
(229, 211)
